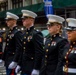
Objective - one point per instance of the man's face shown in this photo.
(53, 29)
(71, 35)
(10, 22)
(26, 21)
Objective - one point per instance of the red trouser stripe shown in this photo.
(13, 72)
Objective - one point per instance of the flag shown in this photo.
(48, 8)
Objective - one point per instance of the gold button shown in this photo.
(67, 53)
(28, 40)
(46, 50)
(13, 53)
(45, 64)
(7, 44)
(45, 61)
(26, 32)
(65, 69)
(43, 47)
(65, 57)
(48, 44)
(10, 38)
(24, 42)
(63, 37)
(10, 31)
(73, 42)
(51, 39)
(60, 35)
(32, 58)
(7, 39)
(65, 66)
(69, 49)
(54, 35)
(46, 56)
(67, 61)
(70, 46)
(16, 28)
(24, 48)
(25, 37)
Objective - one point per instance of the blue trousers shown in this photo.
(10, 71)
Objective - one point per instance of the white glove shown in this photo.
(12, 65)
(35, 72)
(17, 69)
(1, 62)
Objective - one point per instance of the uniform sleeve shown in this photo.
(18, 37)
(38, 44)
(63, 45)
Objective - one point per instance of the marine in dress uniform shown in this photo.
(54, 45)
(32, 45)
(69, 55)
(13, 44)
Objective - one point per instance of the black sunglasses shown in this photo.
(50, 25)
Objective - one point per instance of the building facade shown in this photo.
(15, 6)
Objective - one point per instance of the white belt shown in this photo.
(69, 70)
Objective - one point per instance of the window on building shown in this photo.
(37, 1)
(66, 13)
(27, 2)
(4, 6)
(17, 3)
(30, 2)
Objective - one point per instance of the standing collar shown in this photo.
(14, 27)
(55, 35)
(32, 27)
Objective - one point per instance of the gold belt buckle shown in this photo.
(65, 69)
